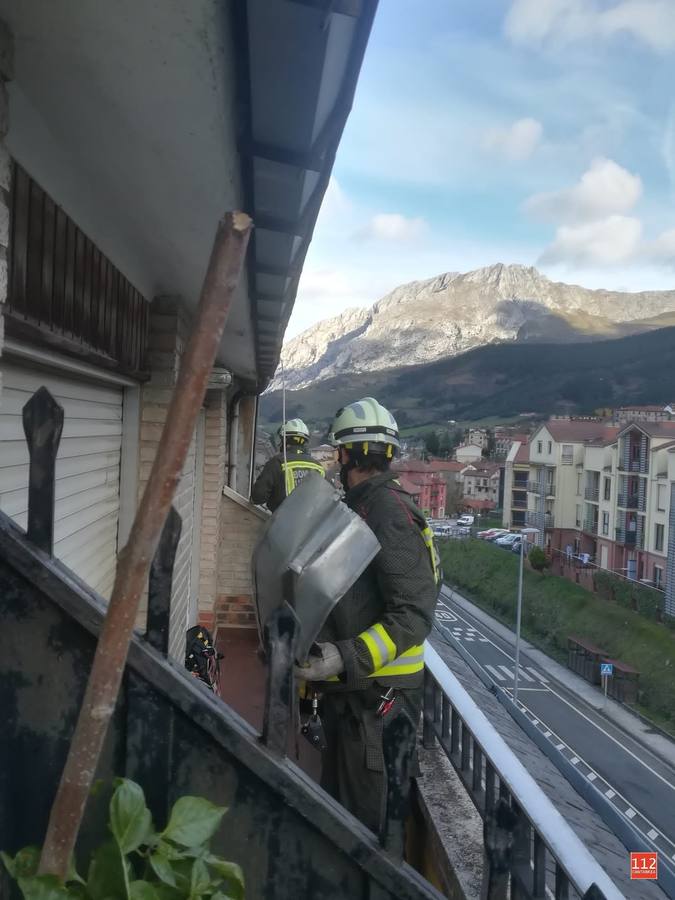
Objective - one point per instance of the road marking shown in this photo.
(610, 794)
(484, 640)
(559, 746)
(630, 813)
(652, 834)
(591, 776)
(495, 674)
(574, 760)
(523, 674)
(468, 638)
(589, 720)
(507, 670)
(547, 734)
(537, 675)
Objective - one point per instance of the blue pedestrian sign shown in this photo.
(606, 670)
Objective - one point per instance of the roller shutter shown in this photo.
(87, 467)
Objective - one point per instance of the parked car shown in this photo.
(491, 533)
(507, 540)
(466, 521)
(497, 535)
(515, 546)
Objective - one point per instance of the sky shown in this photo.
(539, 132)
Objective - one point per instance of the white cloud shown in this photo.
(606, 189)
(517, 142)
(662, 250)
(535, 21)
(605, 242)
(392, 227)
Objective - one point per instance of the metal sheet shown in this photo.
(311, 552)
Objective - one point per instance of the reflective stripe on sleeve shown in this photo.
(380, 646)
(408, 663)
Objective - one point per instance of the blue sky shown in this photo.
(539, 132)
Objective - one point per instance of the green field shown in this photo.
(554, 608)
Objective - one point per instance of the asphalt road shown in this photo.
(638, 783)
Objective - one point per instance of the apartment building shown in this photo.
(481, 483)
(653, 413)
(516, 478)
(601, 490)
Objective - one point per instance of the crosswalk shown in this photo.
(503, 673)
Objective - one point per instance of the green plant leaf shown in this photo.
(72, 875)
(142, 890)
(200, 879)
(7, 862)
(25, 864)
(42, 887)
(108, 873)
(193, 821)
(162, 868)
(130, 819)
(231, 874)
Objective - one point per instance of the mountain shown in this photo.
(442, 317)
(501, 380)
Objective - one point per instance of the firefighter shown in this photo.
(372, 644)
(283, 473)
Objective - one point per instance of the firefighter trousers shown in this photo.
(353, 761)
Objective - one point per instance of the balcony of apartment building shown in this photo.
(634, 453)
(533, 518)
(630, 531)
(547, 488)
(629, 496)
(519, 500)
(590, 525)
(592, 489)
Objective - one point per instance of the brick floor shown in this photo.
(242, 686)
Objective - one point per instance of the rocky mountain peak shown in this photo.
(424, 321)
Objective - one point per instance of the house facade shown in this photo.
(113, 179)
(601, 490)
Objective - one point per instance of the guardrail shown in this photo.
(547, 857)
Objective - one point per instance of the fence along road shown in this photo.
(639, 784)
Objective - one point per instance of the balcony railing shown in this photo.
(534, 519)
(590, 526)
(548, 489)
(630, 501)
(551, 859)
(634, 465)
(629, 538)
(592, 494)
(519, 504)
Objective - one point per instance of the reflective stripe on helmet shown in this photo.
(289, 469)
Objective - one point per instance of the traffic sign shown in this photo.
(606, 670)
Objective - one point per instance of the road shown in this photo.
(636, 781)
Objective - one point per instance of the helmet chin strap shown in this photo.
(345, 469)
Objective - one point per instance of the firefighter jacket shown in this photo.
(381, 624)
(278, 479)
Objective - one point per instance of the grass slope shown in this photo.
(502, 380)
(554, 608)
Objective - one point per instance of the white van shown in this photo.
(465, 521)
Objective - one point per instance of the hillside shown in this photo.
(502, 380)
(431, 320)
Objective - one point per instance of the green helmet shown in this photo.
(295, 429)
(368, 425)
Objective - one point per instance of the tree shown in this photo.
(432, 443)
(538, 559)
(490, 449)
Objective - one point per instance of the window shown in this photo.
(608, 488)
(567, 454)
(635, 451)
(578, 516)
(658, 537)
(579, 477)
(540, 446)
(658, 576)
(661, 498)
(550, 447)
(605, 523)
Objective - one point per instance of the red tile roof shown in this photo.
(446, 465)
(479, 504)
(578, 431)
(408, 486)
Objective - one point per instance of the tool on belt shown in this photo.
(388, 701)
(312, 730)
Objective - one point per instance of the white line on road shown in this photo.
(652, 834)
(537, 675)
(574, 760)
(591, 776)
(590, 721)
(507, 670)
(610, 794)
(630, 813)
(495, 673)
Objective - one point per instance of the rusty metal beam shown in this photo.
(220, 282)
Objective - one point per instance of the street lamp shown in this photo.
(523, 539)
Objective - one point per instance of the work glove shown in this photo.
(322, 665)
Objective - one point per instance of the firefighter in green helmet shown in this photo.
(283, 473)
(372, 644)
